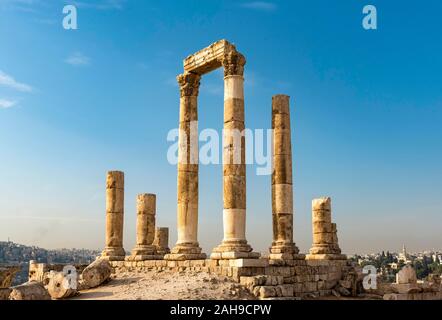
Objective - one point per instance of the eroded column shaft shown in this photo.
(114, 215)
(282, 181)
(325, 239)
(146, 211)
(161, 241)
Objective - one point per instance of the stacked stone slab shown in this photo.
(303, 278)
(114, 216)
(283, 248)
(146, 211)
(325, 239)
(161, 241)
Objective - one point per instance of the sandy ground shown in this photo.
(167, 285)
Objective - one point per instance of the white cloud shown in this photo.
(100, 5)
(35, 5)
(5, 104)
(8, 81)
(260, 5)
(77, 59)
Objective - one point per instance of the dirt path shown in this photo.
(168, 285)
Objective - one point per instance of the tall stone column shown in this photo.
(234, 244)
(146, 210)
(325, 239)
(114, 216)
(283, 248)
(187, 246)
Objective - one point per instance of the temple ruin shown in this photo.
(285, 272)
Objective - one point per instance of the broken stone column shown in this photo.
(29, 291)
(325, 239)
(283, 248)
(161, 241)
(407, 275)
(61, 285)
(187, 246)
(146, 210)
(234, 244)
(114, 216)
(96, 273)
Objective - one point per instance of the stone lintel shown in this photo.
(208, 59)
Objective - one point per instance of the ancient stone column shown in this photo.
(283, 248)
(161, 241)
(234, 244)
(187, 246)
(146, 210)
(325, 240)
(114, 216)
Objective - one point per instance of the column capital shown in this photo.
(234, 63)
(189, 84)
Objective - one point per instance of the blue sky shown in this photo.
(366, 115)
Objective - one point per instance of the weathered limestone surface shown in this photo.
(30, 291)
(234, 244)
(61, 286)
(325, 239)
(96, 273)
(187, 246)
(208, 59)
(41, 272)
(283, 248)
(161, 241)
(406, 275)
(300, 279)
(114, 216)
(146, 211)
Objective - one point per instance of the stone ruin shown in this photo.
(285, 273)
(407, 287)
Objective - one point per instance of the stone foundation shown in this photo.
(302, 278)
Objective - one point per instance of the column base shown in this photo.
(234, 249)
(145, 257)
(144, 250)
(325, 249)
(289, 248)
(185, 256)
(286, 256)
(329, 256)
(113, 254)
(162, 251)
(281, 252)
(186, 251)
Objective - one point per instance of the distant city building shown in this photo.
(394, 265)
(403, 256)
